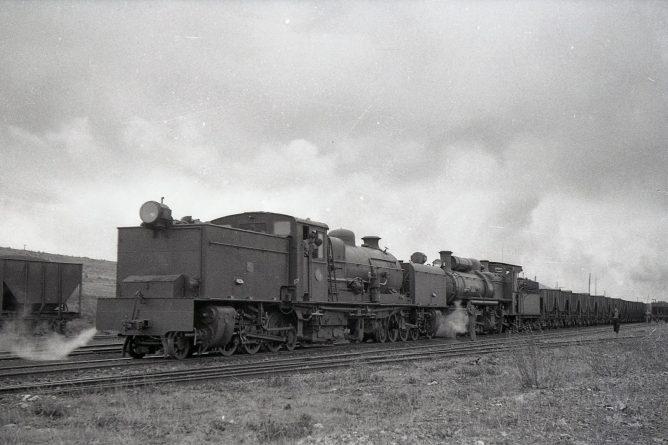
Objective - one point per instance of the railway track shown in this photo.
(67, 365)
(34, 368)
(56, 367)
(296, 363)
(103, 348)
(116, 346)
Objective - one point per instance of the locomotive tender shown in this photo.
(244, 281)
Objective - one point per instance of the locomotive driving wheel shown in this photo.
(431, 323)
(272, 346)
(231, 347)
(251, 346)
(178, 346)
(275, 320)
(403, 329)
(393, 328)
(287, 330)
(413, 334)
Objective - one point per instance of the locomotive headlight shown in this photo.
(155, 214)
(149, 212)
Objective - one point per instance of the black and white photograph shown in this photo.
(334, 222)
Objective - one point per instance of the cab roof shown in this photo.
(267, 216)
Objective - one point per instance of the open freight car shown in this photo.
(657, 311)
(37, 292)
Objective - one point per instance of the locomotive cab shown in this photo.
(307, 279)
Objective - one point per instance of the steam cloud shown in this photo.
(454, 323)
(53, 347)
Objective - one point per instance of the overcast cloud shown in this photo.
(530, 132)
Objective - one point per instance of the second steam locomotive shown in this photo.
(259, 279)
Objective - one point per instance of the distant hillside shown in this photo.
(99, 276)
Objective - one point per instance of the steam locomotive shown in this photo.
(258, 279)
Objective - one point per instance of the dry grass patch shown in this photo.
(269, 429)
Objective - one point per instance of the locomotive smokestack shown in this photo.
(371, 242)
(445, 259)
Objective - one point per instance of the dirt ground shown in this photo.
(613, 392)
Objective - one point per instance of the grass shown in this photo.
(268, 429)
(610, 392)
(545, 368)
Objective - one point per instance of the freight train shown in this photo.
(258, 279)
(36, 292)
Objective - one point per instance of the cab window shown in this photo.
(310, 236)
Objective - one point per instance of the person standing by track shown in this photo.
(615, 321)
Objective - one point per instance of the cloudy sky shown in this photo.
(530, 132)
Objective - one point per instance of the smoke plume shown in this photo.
(53, 347)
